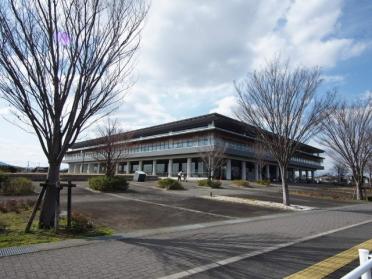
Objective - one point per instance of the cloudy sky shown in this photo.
(193, 50)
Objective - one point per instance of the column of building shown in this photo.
(228, 169)
(153, 167)
(244, 170)
(188, 168)
(256, 171)
(128, 167)
(170, 167)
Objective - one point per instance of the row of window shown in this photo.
(149, 147)
(182, 143)
(306, 161)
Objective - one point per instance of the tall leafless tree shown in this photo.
(213, 159)
(281, 103)
(369, 171)
(61, 64)
(114, 146)
(347, 135)
(340, 169)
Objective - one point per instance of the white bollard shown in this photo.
(363, 257)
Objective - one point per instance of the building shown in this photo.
(165, 149)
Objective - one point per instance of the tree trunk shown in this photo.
(47, 213)
(285, 190)
(359, 185)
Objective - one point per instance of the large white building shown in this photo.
(165, 149)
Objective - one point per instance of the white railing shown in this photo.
(364, 270)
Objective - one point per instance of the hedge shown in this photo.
(209, 183)
(16, 186)
(170, 184)
(242, 183)
(109, 184)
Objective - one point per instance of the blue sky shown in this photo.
(192, 51)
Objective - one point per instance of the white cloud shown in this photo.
(333, 78)
(306, 36)
(226, 106)
(193, 50)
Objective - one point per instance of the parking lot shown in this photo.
(146, 207)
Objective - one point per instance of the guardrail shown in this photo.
(364, 270)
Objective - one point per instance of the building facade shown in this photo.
(164, 150)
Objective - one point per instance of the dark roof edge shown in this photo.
(212, 116)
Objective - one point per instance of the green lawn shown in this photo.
(14, 234)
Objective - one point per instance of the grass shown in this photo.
(241, 183)
(346, 196)
(14, 234)
(263, 182)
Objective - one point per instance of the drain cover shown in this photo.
(15, 251)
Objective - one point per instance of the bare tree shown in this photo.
(61, 63)
(260, 154)
(114, 146)
(369, 170)
(340, 169)
(347, 135)
(213, 159)
(281, 104)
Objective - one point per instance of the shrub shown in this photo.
(109, 184)
(3, 180)
(242, 183)
(170, 184)
(80, 223)
(263, 182)
(203, 182)
(17, 186)
(3, 177)
(209, 183)
(3, 226)
(16, 205)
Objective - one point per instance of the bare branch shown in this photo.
(282, 106)
(347, 133)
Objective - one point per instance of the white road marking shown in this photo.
(162, 204)
(244, 256)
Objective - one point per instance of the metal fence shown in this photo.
(363, 271)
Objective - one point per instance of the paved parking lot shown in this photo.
(144, 207)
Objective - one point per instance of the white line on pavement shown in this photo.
(162, 204)
(244, 256)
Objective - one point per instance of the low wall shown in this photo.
(72, 177)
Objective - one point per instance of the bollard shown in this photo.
(363, 257)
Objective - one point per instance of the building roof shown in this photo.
(219, 120)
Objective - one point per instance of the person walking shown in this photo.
(180, 175)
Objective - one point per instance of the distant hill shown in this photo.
(10, 168)
(2, 164)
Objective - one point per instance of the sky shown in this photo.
(192, 51)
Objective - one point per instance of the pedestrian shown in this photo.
(180, 175)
